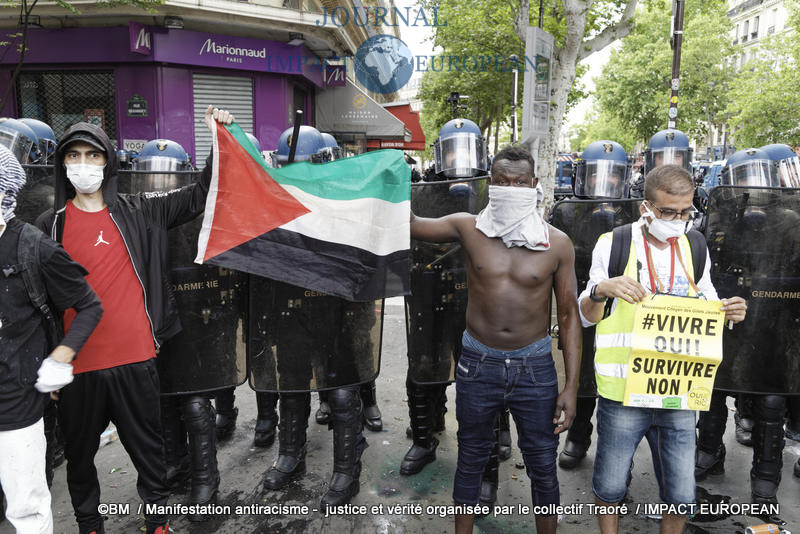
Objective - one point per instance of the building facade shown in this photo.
(142, 76)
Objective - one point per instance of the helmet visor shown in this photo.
(159, 163)
(601, 179)
(19, 145)
(789, 172)
(161, 179)
(460, 156)
(669, 156)
(755, 173)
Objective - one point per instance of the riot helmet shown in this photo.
(309, 144)
(253, 139)
(668, 147)
(20, 139)
(460, 150)
(47, 139)
(750, 167)
(788, 164)
(161, 156)
(125, 158)
(331, 151)
(602, 171)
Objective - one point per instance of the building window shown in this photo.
(62, 98)
(755, 27)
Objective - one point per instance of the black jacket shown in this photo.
(23, 338)
(143, 220)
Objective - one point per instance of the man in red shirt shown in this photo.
(122, 242)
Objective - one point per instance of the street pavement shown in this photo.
(392, 504)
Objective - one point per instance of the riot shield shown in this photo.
(303, 340)
(584, 221)
(436, 309)
(209, 352)
(38, 193)
(753, 237)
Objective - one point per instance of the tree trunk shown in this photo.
(565, 61)
(499, 117)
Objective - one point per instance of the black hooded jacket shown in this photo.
(143, 220)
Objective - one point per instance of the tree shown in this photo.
(580, 28)
(483, 27)
(765, 102)
(18, 40)
(474, 30)
(635, 84)
(601, 125)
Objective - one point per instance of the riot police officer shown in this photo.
(186, 411)
(46, 139)
(602, 176)
(668, 147)
(788, 163)
(373, 418)
(20, 139)
(751, 168)
(266, 403)
(665, 147)
(312, 330)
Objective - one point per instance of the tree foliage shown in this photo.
(634, 87)
(765, 99)
(601, 125)
(473, 29)
(497, 28)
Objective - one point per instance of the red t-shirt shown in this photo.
(124, 334)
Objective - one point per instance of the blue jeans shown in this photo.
(671, 436)
(489, 380)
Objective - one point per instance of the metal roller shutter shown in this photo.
(225, 92)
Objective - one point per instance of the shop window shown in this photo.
(62, 98)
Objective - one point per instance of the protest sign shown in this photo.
(676, 350)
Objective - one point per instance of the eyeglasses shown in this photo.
(669, 214)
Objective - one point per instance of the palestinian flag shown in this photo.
(341, 228)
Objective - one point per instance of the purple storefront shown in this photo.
(141, 83)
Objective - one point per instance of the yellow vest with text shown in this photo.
(613, 333)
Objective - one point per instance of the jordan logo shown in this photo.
(100, 240)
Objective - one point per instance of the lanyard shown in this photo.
(655, 283)
(688, 275)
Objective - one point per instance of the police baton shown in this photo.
(298, 117)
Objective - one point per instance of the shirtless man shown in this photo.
(514, 262)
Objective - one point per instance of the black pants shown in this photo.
(128, 396)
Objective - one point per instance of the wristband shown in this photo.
(594, 297)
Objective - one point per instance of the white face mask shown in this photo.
(664, 230)
(85, 178)
(511, 204)
(514, 214)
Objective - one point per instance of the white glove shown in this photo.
(53, 375)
